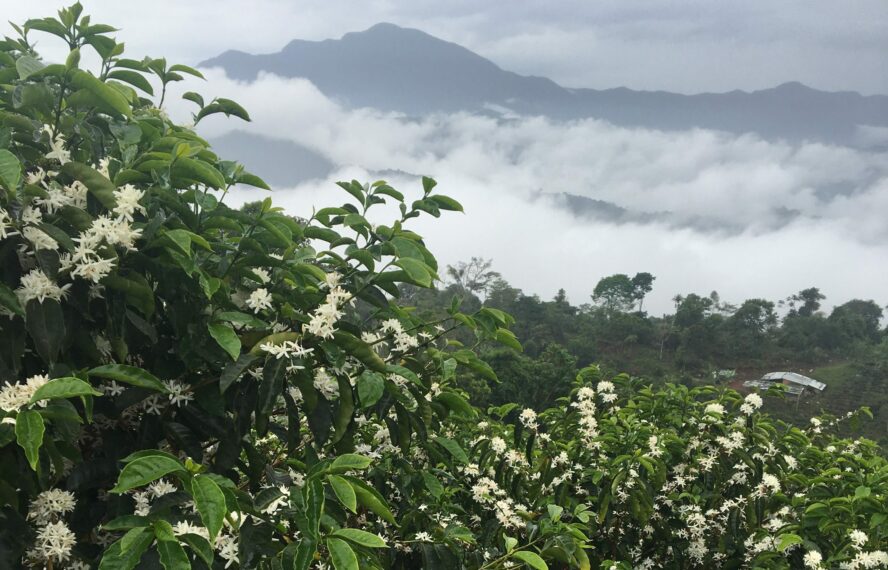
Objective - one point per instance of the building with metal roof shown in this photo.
(795, 383)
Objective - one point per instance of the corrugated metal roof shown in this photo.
(793, 389)
(795, 378)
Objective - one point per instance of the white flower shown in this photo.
(77, 192)
(102, 167)
(14, 397)
(262, 274)
(605, 386)
(127, 198)
(228, 549)
(32, 215)
(160, 488)
(812, 559)
(54, 542)
(423, 537)
(529, 418)
(57, 146)
(714, 408)
(326, 384)
(751, 403)
(51, 504)
(178, 393)
(39, 239)
(858, 537)
(6, 225)
(259, 299)
(185, 527)
(55, 199)
(498, 445)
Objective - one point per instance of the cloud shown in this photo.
(795, 216)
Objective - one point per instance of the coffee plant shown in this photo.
(184, 384)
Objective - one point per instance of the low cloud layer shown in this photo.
(779, 217)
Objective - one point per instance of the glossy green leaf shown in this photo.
(226, 338)
(210, 502)
(131, 375)
(344, 492)
(342, 555)
(29, 429)
(68, 387)
(144, 470)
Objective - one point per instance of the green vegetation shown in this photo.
(188, 385)
(702, 337)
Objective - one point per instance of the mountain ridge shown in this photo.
(406, 70)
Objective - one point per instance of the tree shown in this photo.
(614, 292)
(857, 320)
(476, 276)
(642, 284)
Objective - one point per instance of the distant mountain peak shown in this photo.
(393, 68)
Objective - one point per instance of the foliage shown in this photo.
(194, 386)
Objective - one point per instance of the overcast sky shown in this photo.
(678, 45)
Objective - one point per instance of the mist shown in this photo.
(778, 217)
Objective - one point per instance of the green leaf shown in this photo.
(370, 388)
(225, 337)
(105, 93)
(172, 555)
(144, 470)
(210, 502)
(99, 186)
(453, 448)
(126, 522)
(531, 559)
(133, 78)
(784, 541)
(60, 388)
(126, 553)
(198, 171)
(46, 325)
(456, 404)
(27, 65)
(29, 431)
(344, 492)
(418, 271)
(185, 69)
(446, 203)
(360, 350)
(360, 537)
(9, 300)
(226, 106)
(349, 462)
(10, 170)
(135, 288)
(200, 546)
(129, 375)
(370, 498)
(433, 484)
(234, 371)
(862, 492)
(341, 553)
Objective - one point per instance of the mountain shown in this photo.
(405, 70)
(281, 163)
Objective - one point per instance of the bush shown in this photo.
(194, 386)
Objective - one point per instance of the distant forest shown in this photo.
(846, 347)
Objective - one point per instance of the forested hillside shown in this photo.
(706, 340)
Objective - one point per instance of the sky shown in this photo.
(786, 227)
(686, 46)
